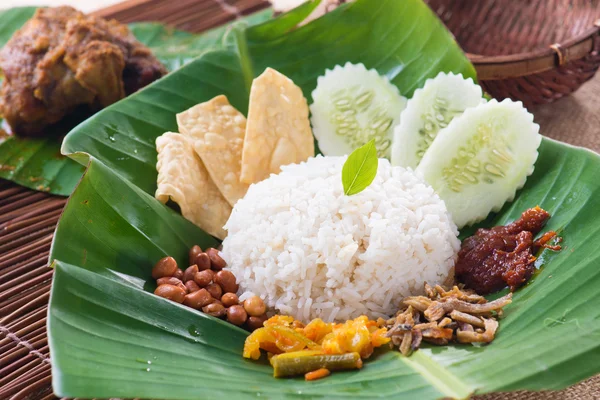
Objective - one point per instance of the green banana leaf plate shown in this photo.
(37, 163)
(111, 337)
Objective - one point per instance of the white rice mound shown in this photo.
(310, 251)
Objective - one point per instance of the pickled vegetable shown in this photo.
(260, 338)
(352, 336)
(288, 340)
(481, 159)
(318, 374)
(353, 105)
(302, 362)
(429, 110)
(316, 330)
(298, 349)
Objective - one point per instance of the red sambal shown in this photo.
(503, 255)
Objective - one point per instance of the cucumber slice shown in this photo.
(352, 105)
(431, 108)
(481, 158)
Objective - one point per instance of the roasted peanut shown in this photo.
(216, 262)
(254, 306)
(253, 323)
(215, 290)
(188, 274)
(164, 267)
(192, 286)
(226, 280)
(215, 309)
(236, 315)
(202, 261)
(193, 253)
(204, 278)
(230, 299)
(198, 299)
(170, 280)
(171, 292)
(178, 274)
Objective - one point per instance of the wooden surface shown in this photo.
(28, 218)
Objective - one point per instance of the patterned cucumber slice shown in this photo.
(352, 105)
(481, 158)
(431, 108)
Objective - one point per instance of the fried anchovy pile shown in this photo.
(445, 315)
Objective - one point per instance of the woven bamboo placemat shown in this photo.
(28, 218)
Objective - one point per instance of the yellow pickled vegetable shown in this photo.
(279, 320)
(378, 337)
(253, 343)
(351, 336)
(297, 347)
(288, 340)
(316, 330)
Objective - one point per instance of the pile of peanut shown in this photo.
(206, 286)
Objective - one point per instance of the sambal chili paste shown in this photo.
(503, 255)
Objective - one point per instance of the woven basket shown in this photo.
(536, 51)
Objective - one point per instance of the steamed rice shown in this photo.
(309, 251)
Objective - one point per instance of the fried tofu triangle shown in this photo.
(217, 130)
(183, 178)
(278, 130)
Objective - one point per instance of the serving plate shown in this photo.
(111, 337)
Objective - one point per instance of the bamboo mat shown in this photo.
(28, 218)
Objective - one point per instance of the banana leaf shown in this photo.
(111, 337)
(37, 163)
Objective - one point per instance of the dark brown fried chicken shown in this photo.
(61, 59)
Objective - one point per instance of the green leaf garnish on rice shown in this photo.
(360, 169)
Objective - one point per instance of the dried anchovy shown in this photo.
(450, 315)
(417, 338)
(491, 325)
(456, 292)
(437, 333)
(430, 292)
(439, 308)
(465, 327)
(420, 303)
(399, 328)
(468, 318)
(405, 345)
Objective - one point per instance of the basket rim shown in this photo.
(532, 62)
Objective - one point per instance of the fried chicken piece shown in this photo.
(61, 59)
